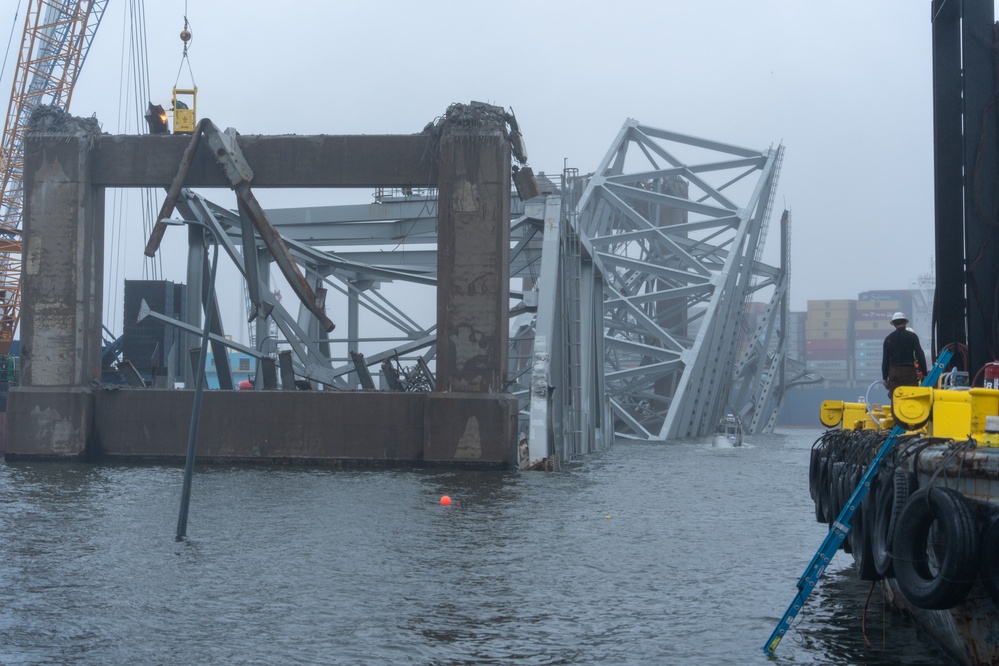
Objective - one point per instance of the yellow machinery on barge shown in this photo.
(928, 527)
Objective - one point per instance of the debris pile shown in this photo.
(479, 115)
(51, 119)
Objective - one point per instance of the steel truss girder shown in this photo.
(678, 241)
(631, 302)
(560, 387)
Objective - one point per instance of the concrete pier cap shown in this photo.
(61, 410)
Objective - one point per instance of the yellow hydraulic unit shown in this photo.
(185, 110)
(853, 415)
(953, 414)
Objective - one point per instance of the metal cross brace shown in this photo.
(841, 527)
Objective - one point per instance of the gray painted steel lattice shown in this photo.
(677, 224)
(628, 290)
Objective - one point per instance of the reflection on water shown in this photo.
(647, 553)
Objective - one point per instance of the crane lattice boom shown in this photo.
(57, 36)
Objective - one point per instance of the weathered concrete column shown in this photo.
(473, 248)
(63, 270)
(62, 287)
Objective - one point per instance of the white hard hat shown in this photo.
(899, 316)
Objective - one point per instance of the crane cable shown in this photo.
(185, 36)
(10, 39)
(152, 268)
(133, 94)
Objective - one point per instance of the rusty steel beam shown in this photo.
(226, 151)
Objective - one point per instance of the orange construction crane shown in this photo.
(57, 36)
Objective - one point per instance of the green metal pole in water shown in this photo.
(192, 437)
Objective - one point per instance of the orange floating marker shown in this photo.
(445, 500)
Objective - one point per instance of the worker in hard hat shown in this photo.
(902, 359)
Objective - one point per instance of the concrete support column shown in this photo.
(50, 414)
(473, 247)
(63, 269)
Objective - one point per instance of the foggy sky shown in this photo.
(846, 87)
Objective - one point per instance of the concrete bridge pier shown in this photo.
(58, 411)
(473, 294)
(62, 285)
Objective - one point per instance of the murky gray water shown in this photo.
(644, 554)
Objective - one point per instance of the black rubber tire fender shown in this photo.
(857, 520)
(844, 490)
(828, 491)
(813, 470)
(814, 481)
(836, 472)
(822, 489)
(892, 496)
(948, 511)
(988, 560)
(863, 533)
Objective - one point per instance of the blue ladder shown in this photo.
(840, 528)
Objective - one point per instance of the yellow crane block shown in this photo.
(185, 110)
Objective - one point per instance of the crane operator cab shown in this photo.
(185, 110)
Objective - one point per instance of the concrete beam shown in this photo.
(278, 161)
(367, 428)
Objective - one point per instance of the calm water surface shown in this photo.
(643, 554)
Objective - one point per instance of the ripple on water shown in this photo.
(646, 553)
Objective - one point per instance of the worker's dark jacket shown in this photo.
(902, 348)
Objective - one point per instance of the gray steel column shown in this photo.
(196, 254)
(262, 324)
(353, 331)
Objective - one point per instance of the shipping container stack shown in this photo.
(829, 329)
(796, 335)
(874, 311)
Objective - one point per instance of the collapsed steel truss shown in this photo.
(627, 303)
(677, 225)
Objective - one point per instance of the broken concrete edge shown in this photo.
(477, 118)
